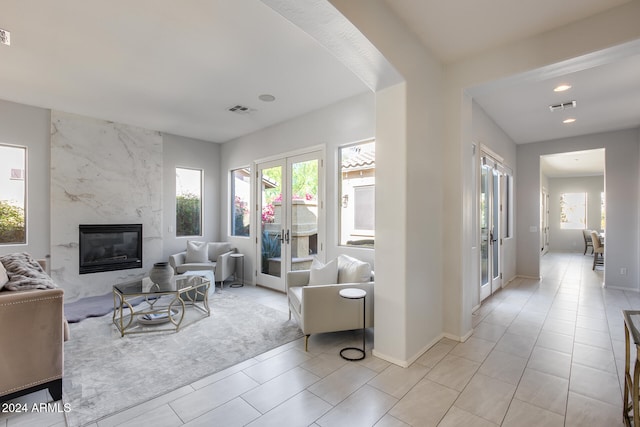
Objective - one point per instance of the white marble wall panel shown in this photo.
(102, 173)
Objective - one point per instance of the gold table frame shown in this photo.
(630, 398)
(192, 291)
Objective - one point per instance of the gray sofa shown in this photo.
(217, 259)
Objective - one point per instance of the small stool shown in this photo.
(354, 293)
(235, 284)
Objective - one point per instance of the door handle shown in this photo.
(282, 236)
(287, 237)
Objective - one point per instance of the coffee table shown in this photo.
(166, 304)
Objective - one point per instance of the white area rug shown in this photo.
(105, 373)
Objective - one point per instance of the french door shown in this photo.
(290, 216)
(491, 194)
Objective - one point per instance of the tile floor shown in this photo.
(543, 353)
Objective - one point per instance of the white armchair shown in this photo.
(211, 256)
(320, 308)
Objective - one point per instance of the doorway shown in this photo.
(290, 216)
(491, 224)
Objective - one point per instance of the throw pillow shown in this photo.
(352, 270)
(3, 276)
(197, 252)
(323, 274)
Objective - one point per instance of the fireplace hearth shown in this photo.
(108, 247)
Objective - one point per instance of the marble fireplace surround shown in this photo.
(102, 173)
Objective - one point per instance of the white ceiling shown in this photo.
(177, 66)
(574, 164)
(172, 66)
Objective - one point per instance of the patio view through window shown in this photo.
(188, 202)
(13, 226)
(357, 194)
(573, 211)
(240, 191)
(603, 209)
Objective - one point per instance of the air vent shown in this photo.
(563, 106)
(239, 109)
(5, 37)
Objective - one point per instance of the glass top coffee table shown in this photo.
(162, 304)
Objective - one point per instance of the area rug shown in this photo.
(105, 373)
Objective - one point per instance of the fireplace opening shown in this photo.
(106, 247)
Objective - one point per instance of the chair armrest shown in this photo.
(177, 259)
(225, 266)
(297, 278)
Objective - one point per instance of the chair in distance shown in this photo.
(598, 250)
(588, 243)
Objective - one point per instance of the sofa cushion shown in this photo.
(295, 297)
(196, 266)
(352, 270)
(323, 274)
(197, 252)
(218, 248)
(3, 276)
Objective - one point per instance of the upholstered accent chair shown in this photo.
(314, 299)
(212, 256)
(598, 250)
(588, 243)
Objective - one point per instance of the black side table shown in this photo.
(354, 293)
(235, 284)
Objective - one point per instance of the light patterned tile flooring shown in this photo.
(544, 352)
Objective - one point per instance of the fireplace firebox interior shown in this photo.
(108, 247)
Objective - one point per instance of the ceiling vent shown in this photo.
(5, 37)
(563, 106)
(239, 109)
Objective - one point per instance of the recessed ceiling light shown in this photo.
(267, 98)
(567, 121)
(562, 88)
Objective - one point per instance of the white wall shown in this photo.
(621, 187)
(572, 240)
(343, 123)
(179, 151)
(30, 127)
(409, 191)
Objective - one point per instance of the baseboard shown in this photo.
(408, 362)
(457, 337)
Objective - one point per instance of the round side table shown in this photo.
(235, 284)
(354, 293)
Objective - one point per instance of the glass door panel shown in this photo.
(272, 222)
(302, 236)
(495, 229)
(485, 288)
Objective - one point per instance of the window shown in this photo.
(240, 191)
(573, 211)
(13, 225)
(188, 202)
(357, 194)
